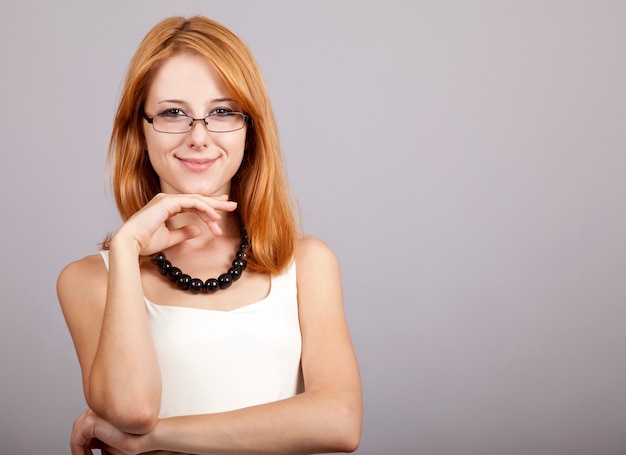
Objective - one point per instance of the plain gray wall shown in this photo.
(465, 159)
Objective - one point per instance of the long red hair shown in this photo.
(260, 186)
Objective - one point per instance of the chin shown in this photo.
(198, 188)
(209, 192)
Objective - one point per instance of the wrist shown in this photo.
(149, 442)
(121, 243)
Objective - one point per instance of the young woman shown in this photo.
(207, 324)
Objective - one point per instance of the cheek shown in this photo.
(154, 153)
(243, 140)
(235, 145)
(158, 145)
(150, 141)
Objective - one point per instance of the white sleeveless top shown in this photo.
(215, 361)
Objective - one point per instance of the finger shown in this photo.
(111, 451)
(97, 444)
(217, 203)
(80, 450)
(212, 207)
(205, 211)
(83, 449)
(210, 215)
(207, 208)
(226, 205)
(107, 450)
(181, 234)
(213, 226)
(80, 438)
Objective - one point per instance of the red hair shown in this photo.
(260, 186)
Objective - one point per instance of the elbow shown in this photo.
(140, 420)
(346, 429)
(132, 410)
(349, 439)
(129, 417)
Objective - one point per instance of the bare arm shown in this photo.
(106, 315)
(326, 417)
(106, 318)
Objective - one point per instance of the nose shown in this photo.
(198, 136)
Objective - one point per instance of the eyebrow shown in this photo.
(171, 101)
(217, 100)
(221, 100)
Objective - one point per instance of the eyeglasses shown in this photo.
(176, 122)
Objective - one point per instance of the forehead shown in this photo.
(189, 78)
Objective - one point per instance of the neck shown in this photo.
(229, 224)
(197, 285)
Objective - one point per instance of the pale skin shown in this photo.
(192, 219)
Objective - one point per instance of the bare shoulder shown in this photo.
(81, 289)
(313, 253)
(90, 268)
(316, 263)
(85, 277)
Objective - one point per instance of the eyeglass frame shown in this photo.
(150, 120)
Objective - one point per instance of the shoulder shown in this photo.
(315, 261)
(90, 267)
(82, 277)
(317, 271)
(312, 252)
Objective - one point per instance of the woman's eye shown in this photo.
(221, 112)
(172, 113)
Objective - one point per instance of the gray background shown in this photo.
(465, 160)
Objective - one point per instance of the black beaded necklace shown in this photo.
(196, 285)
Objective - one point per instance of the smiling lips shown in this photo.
(197, 164)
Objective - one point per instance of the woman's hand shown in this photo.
(106, 310)
(93, 432)
(148, 229)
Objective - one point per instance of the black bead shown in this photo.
(211, 285)
(225, 280)
(196, 285)
(158, 259)
(174, 273)
(235, 273)
(183, 281)
(165, 267)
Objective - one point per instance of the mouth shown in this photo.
(197, 164)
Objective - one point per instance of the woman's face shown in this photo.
(199, 161)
